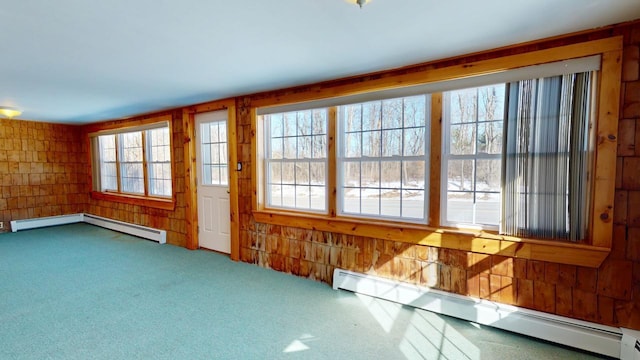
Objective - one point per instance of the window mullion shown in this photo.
(145, 170)
(118, 172)
(436, 155)
(332, 172)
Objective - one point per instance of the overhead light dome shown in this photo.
(9, 112)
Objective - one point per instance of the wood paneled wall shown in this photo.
(42, 170)
(608, 295)
(173, 221)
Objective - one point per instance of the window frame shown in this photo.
(446, 156)
(342, 159)
(118, 129)
(606, 99)
(296, 160)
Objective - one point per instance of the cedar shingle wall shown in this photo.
(608, 295)
(42, 170)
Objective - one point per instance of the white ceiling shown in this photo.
(82, 61)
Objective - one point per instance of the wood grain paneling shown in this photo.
(42, 170)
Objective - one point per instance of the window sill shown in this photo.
(152, 202)
(465, 240)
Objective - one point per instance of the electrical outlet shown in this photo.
(1, 225)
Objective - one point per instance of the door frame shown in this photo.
(191, 172)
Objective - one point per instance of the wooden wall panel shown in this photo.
(609, 295)
(42, 170)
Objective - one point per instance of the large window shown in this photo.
(510, 149)
(382, 161)
(296, 160)
(133, 161)
(472, 155)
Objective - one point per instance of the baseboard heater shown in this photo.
(601, 339)
(137, 230)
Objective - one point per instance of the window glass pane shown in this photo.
(392, 142)
(352, 144)
(318, 173)
(460, 175)
(488, 175)
(370, 174)
(302, 173)
(488, 208)
(275, 192)
(290, 127)
(215, 153)
(351, 203)
(391, 174)
(491, 102)
(288, 173)
(319, 146)
(319, 122)
(302, 197)
(318, 197)
(463, 107)
(290, 148)
(276, 148)
(213, 130)
(371, 116)
(275, 175)
(371, 143)
(288, 196)
(304, 147)
(414, 141)
(460, 207)
(132, 178)
(304, 125)
(351, 174)
(414, 111)
(392, 114)
(370, 201)
(462, 139)
(390, 203)
(275, 121)
(413, 174)
(413, 204)
(352, 117)
(490, 137)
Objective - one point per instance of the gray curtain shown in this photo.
(546, 162)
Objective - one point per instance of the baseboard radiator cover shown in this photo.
(39, 222)
(145, 232)
(601, 339)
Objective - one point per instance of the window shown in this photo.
(472, 155)
(533, 183)
(159, 150)
(296, 160)
(502, 150)
(382, 160)
(134, 162)
(213, 143)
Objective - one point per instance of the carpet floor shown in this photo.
(82, 292)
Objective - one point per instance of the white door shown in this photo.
(213, 181)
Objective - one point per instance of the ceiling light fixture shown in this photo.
(358, 2)
(8, 112)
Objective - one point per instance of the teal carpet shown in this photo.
(83, 292)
